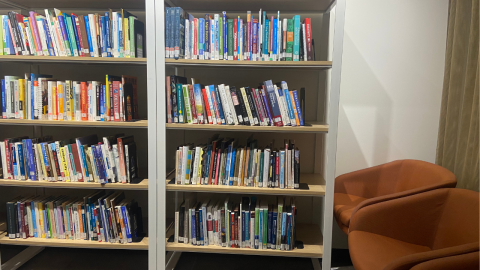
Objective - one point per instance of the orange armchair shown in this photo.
(438, 229)
(386, 182)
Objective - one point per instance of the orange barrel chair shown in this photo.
(392, 180)
(437, 229)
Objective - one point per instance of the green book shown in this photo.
(230, 38)
(260, 173)
(188, 108)
(71, 34)
(180, 103)
(279, 224)
(265, 226)
(289, 52)
(2, 45)
(257, 220)
(131, 28)
(220, 37)
(48, 222)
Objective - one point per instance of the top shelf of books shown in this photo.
(235, 5)
(92, 4)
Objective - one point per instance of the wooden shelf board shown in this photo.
(260, 64)
(253, 5)
(136, 124)
(310, 185)
(73, 60)
(308, 128)
(4, 240)
(143, 185)
(308, 233)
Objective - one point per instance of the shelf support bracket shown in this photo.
(171, 259)
(21, 258)
(316, 264)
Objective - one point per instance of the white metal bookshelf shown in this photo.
(321, 134)
(83, 67)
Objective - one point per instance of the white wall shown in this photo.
(391, 85)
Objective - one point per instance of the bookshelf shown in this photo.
(317, 139)
(134, 124)
(85, 69)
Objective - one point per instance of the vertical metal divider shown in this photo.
(331, 145)
(155, 258)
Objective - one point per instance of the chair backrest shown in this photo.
(418, 174)
(458, 223)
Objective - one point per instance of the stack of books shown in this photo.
(267, 105)
(114, 34)
(96, 217)
(222, 162)
(84, 159)
(39, 97)
(250, 223)
(217, 37)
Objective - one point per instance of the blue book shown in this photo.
(25, 159)
(243, 228)
(30, 159)
(200, 218)
(214, 91)
(20, 161)
(168, 32)
(254, 40)
(283, 231)
(32, 207)
(260, 228)
(108, 45)
(269, 228)
(225, 36)
(190, 36)
(274, 39)
(127, 227)
(274, 230)
(45, 159)
(120, 34)
(227, 166)
(9, 49)
(104, 36)
(81, 153)
(4, 101)
(104, 101)
(103, 172)
(232, 166)
(180, 103)
(95, 161)
(276, 117)
(70, 39)
(194, 231)
(282, 169)
(291, 113)
(263, 22)
(84, 221)
(289, 232)
(75, 32)
(201, 37)
(179, 33)
(48, 38)
(265, 40)
(246, 226)
(299, 110)
(207, 169)
(296, 38)
(89, 37)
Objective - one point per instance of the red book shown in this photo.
(8, 160)
(207, 106)
(308, 36)
(254, 41)
(215, 105)
(169, 99)
(235, 39)
(257, 105)
(195, 49)
(270, 33)
(84, 100)
(77, 25)
(22, 221)
(277, 168)
(76, 160)
(111, 102)
(192, 104)
(123, 174)
(232, 228)
(212, 159)
(249, 31)
(217, 170)
(116, 101)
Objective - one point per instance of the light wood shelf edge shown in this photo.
(308, 233)
(143, 185)
(70, 60)
(4, 240)
(139, 123)
(309, 128)
(311, 185)
(233, 63)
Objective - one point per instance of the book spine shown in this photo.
(235, 39)
(297, 105)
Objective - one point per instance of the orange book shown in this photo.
(80, 220)
(84, 101)
(54, 102)
(122, 225)
(294, 107)
(60, 98)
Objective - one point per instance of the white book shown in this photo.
(73, 174)
(285, 118)
(106, 160)
(266, 166)
(60, 165)
(116, 157)
(210, 221)
(211, 106)
(195, 166)
(42, 36)
(259, 43)
(63, 49)
(6, 175)
(305, 58)
(212, 39)
(187, 39)
(247, 106)
(226, 106)
(8, 94)
(204, 223)
(53, 34)
(50, 101)
(78, 109)
(29, 218)
(216, 38)
(114, 35)
(184, 163)
(231, 105)
(93, 34)
(82, 164)
(94, 167)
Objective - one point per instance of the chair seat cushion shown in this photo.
(343, 205)
(370, 251)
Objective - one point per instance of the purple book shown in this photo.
(35, 32)
(61, 22)
(267, 108)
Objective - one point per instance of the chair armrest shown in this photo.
(411, 219)
(370, 182)
(407, 262)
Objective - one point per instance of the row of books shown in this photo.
(250, 223)
(217, 37)
(40, 97)
(267, 105)
(116, 34)
(84, 159)
(222, 162)
(100, 216)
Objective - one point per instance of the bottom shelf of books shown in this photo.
(308, 234)
(5, 240)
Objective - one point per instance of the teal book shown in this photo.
(265, 41)
(230, 39)
(296, 38)
(187, 107)
(71, 34)
(180, 103)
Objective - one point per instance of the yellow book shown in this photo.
(21, 98)
(40, 155)
(41, 207)
(60, 100)
(54, 101)
(199, 174)
(63, 158)
(126, 41)
(69, 100)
